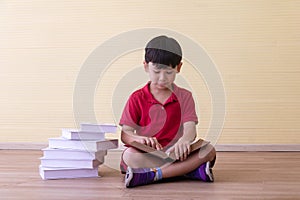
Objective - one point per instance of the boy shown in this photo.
(162, 115)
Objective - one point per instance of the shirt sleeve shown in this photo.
(131, 113)
(188, 108)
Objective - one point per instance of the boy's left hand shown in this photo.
(181, 149)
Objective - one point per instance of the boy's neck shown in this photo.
(161, 95)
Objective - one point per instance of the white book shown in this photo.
(73, 154)
(106, 128)
(72, 163)
(60, 173)
(89, 145)
(74, 134)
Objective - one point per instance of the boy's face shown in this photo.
(161, 77)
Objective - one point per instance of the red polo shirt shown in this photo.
(153, 119)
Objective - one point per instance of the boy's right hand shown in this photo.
(150, 141)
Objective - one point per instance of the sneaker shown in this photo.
(203, 172)
(138, 176)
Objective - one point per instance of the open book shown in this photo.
(161, 154)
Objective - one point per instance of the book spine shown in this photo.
(83, 145)
(68, 144)
(59, 173)
(73, 154)
(80, 135)
(64, 163)
(98, 128)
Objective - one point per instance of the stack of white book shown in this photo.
(77, 153)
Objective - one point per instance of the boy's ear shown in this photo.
(179, 67)
(146, 66)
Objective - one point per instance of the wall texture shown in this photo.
(255, 44)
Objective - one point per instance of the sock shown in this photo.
(158, 174)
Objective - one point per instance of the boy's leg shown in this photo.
(137, 159)
(203, 172)
(123, 165)
(142, 176)
(142, 167)
(193, 161)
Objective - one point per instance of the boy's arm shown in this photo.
(189, 132)
(182, 147)
(128, 135)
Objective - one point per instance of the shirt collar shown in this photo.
(151, 99)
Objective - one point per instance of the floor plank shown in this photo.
(238, 175)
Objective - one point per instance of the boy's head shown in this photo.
(163, 51)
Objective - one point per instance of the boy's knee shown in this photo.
(208, 152)
(211, 149)
(129, 155)
(212, 152)
(137, 159)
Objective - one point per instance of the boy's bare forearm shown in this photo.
(127, 136)
(189, 132)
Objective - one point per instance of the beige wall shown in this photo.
(255, 44)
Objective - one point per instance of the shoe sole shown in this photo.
(212, 163)
(128, 177)
(208, 171)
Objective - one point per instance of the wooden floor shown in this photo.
(238, 175)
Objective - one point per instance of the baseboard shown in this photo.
(257, 147)
(20, 145)
(219, 147)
